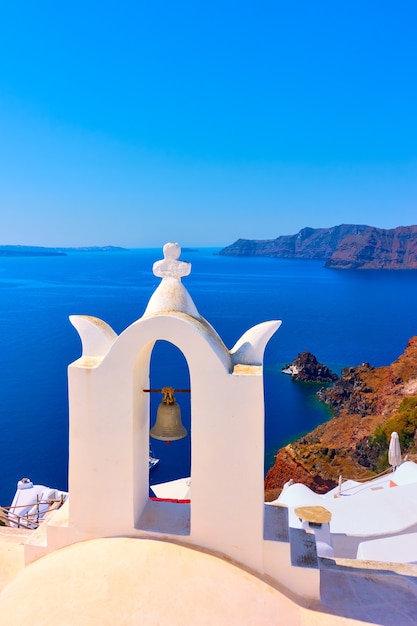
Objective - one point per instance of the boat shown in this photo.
(153, 461)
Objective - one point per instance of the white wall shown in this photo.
(109, 437)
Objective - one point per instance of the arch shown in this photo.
(108, 407)
(109, 434)
(203, 351)
(168, 367)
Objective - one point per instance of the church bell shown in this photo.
(168, 425)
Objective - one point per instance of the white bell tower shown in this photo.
(109, 429)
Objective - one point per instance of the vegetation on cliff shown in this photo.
(368, 404)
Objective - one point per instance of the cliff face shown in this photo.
(377, 249)
(309, 243)
(347, 246)
(368, 404)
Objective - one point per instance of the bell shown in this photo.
(168, 425)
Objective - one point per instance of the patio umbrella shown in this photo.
(394, 451)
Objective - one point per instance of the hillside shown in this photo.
(368, 404)
(348, 246)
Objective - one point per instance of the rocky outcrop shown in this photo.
(306, 368)
(368, 404)
(348, 246)
(351, 393)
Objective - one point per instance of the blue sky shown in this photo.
(137, 123)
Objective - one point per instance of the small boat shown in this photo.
(153, 461)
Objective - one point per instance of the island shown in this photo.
(25, 251)
(306, 368)
(347, 246)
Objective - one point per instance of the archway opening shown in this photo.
(168, 367)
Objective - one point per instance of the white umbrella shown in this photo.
(394, 452)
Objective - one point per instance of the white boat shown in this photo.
(153, 461)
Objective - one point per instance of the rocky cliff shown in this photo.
(368, 404)
(347, 246)
(306, 368)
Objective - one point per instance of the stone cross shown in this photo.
(170, 267)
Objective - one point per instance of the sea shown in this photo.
(343, 317)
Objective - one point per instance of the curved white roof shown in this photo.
(128, 581)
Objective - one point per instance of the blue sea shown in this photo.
(343, 317)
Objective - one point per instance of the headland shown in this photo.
(347, 246)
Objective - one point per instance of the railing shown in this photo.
(360, 480)
(31, 519)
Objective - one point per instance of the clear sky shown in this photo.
(133, 123)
